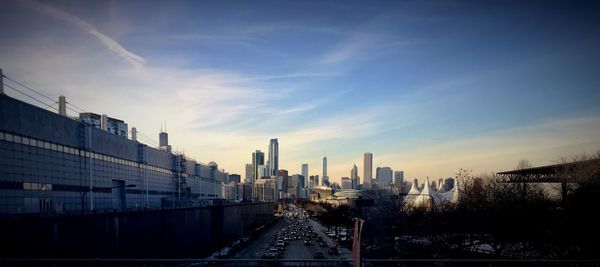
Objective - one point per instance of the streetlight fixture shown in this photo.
(85, 192)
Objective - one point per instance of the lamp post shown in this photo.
(85, 192)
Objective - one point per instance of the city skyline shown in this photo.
(413, 83)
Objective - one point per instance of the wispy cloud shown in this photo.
(349, 48)
(108, 42)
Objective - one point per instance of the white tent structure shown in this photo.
(429, 196)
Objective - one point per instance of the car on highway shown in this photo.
(307, 242)
(323, 244)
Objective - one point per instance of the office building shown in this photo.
(249, 173)
(313, 181)
(368, 170)
(305, 170)
(354, 177)
(346, 183)
(399, 179)
(284, 179)
(258, 158)
(295, 185)
(265, 189)
(263, 171)
(103, 122)
(273, 157)
(244, 192)
(235, 178)
(325, 177)
(384, 176)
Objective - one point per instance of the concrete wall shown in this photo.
(179, 233)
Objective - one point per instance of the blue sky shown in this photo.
(426, 86)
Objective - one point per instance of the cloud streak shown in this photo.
(108, 42)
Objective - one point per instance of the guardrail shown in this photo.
(295, 262)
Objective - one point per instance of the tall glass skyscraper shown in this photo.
(258, 158)
(354, 177)
(368, 170)
(273, 157)
(305, 171)
(325, 177)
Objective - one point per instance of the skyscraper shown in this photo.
(263, 171)
(258, 158)
(368, 170)
(346, 183)
(249, 173)
(325, 177)
(284, 179)
(273, 156)
(384, 176)
(398, 178)
(305, 170)
(354, 177)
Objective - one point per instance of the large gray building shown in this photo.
(50, 163)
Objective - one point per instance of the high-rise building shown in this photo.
(325, 177)
(249, 173)
(313, 181)
(258, 158)
(284, 179)
(384, 176)
(273, 157)
(346, 183)
(305, 170)
(368, 170)
(263, 171)
(103, 122)
(295, 186)
(265, 189)
(234, 178)
(398, 178)
(354, 177)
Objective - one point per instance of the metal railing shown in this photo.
(294, 262)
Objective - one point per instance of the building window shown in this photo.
(37, 186)
(9, 137)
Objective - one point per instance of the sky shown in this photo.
(428, 87)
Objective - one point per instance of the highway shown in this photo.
(294, 223)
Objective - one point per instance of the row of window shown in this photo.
(77, 152)
(74, 151)
(37, 186)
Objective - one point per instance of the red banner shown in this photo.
(358, 223)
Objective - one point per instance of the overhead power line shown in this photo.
(44, 95)
(25, 86)
(32, 97)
